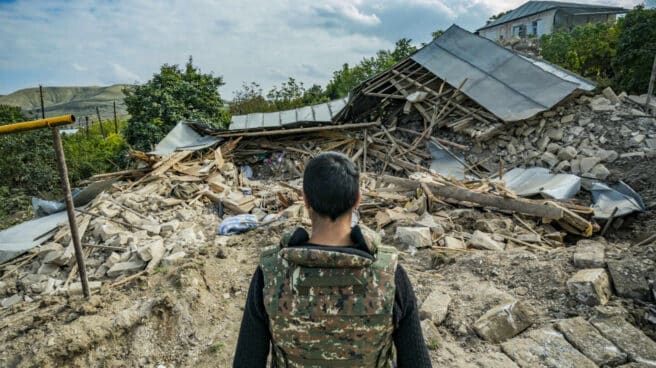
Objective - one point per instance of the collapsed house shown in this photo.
(447, 141)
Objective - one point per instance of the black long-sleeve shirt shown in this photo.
(255, 337)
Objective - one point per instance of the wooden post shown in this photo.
(650, 89)
(102, 128)
(86, 118)
(364, 155)
(53, 123)
(115, 120)
(70, 209)
(43, 110)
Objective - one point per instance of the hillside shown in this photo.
(79, 101)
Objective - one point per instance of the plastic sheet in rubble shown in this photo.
(183, 137)
(606, 198)
(446, 164)
(538, 180)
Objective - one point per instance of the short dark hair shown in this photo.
(331, 184)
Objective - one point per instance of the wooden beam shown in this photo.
(486, 200)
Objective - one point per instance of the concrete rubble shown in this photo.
(590, 286)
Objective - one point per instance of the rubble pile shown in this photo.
(499, 278)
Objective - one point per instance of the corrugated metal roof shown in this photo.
(535, 7)
(508, 85)
(315, 114)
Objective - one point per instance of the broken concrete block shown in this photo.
(169, 228)
(419, 237)
(611, 96)
(588, 254)
(567, 119)
(607, 155)
(428, 221)
(555, 134)
(504, 321)
(152, 229)
(454, 243)
(126, 267)
(545, 348)
(628, 338)
(549, 158)
(107, 231)
(48, 248)
(145, 252)
(58, 257)
(173, 258)
(484, 241)
(590, 286)
(588, 163)
(602, 108)
(157, 250)
(435, 307)
(629, 278)
(48, 269)
(600, 172)
(588, 340)
(431, 335)
(553, 147)
(118, 240)
(567, 153)
(637, 139)
(8, 302)
(75, 288)
(108, 210)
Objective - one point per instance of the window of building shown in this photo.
(536, 28)
(519, 30)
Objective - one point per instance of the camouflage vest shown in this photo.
(330, 308)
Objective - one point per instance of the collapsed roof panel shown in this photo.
(506, 84)
(313, 115)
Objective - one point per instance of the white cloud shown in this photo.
(77, 42)
(349, 9)
(79, 68)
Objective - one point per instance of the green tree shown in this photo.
(249, 99)
(172, 95)
(636, 50)
(497, 16)
(587, 50)
(347, 78)
(28, 158)
(437, 33)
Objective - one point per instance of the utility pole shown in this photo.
(650, 89)
(43, 110)
(115, 120)
(86, 118)
(102, 128)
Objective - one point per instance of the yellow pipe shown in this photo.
(37, 124)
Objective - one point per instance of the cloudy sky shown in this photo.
(83, 42)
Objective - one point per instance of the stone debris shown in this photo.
(632, 341)
(418, 237)
(435, 307)
(589, 254)
(504, 321)
(588, 340)
(9, 301)
(545, 348)
(590, 286)
(629, 279)
(484, 241)
(431, 335)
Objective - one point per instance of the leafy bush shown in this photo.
(172, 95)
(86, 157)
(636, 50)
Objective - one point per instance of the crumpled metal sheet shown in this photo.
(606, 198)
(20, 238)
(504, 83)
(309, 115)
(183, 137)
(538, 180)
(445, 164)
